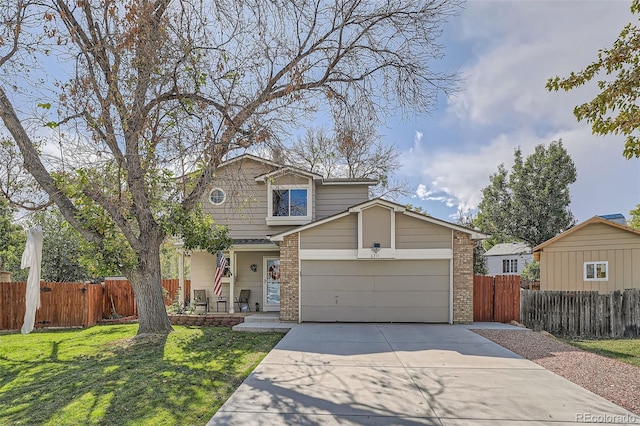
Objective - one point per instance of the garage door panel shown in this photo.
(343, 298)
(400, 268)
(335, 268)
(411, 298)
(412, 283)
(375, 290)
(355, 283)
(338, 314)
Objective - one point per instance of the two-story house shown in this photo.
(317, 249)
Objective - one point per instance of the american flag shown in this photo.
(221, 264)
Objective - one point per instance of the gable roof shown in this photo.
(349, 181)
(399, 208)
(250, 157)
(508, 249)
(283, 170)
(595, 219)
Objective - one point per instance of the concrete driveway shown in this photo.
(392, 374)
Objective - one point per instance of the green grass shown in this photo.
(625, 350)
(95, 377)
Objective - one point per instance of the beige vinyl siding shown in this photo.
(338, 234)
(562, 262)
(375, 291)
(289, 179)
(245, 208)
(376, 227)
(412, 233)
(596, 236)
(332, 199)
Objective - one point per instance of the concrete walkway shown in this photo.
(264, 322)
(406, 374)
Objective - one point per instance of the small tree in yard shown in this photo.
(12, 240)
(530, 204)
(147, 90)
(531, 272)
(64, 258)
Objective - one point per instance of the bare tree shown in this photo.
(143, 85)
(353, 152)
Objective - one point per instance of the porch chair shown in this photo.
(243, 300)
(200, 299)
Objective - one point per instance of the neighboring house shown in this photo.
(508, 258)
(596, 255)
(616, 217)
(318, 249)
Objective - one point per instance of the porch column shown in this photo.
(232, 278)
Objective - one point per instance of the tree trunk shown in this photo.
(146, 281)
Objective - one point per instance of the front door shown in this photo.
(271, 289)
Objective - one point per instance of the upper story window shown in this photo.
(290, 202)
(596, 271)
(289, 205)
(217, 196)
(510, 266)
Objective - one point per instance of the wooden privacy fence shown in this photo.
(61, 305)
(118, 294)
(74, 304)
(496, 298)
(172, 287)
(586, 314)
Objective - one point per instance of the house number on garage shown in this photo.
(375, 255)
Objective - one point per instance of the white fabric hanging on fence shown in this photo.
(32, 259)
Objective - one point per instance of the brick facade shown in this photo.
(462, 278)
(289, 278)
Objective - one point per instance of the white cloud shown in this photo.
(516, 47)
(524, 45)
(457, 178)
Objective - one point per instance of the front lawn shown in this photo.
(95, 376)
(625, 350)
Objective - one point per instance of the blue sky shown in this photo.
(505, 51)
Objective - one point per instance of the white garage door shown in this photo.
(375, 290)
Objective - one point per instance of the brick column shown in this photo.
(462, 278)
(289, 278)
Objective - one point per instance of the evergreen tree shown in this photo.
(531, 203)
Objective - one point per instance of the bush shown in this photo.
(531, 272)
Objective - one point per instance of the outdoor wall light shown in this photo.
(375, 247)
(253, 267)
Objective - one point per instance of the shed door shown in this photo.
(375, 290)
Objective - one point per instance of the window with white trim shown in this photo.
(510, 266)
(217, 196)
(596, 271)
(289, 204)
